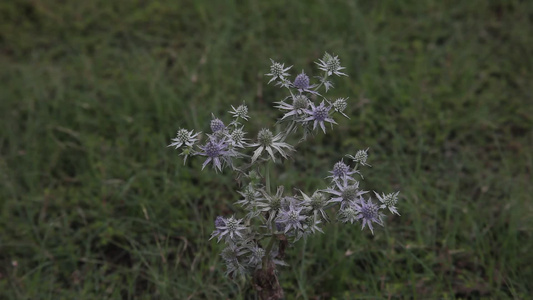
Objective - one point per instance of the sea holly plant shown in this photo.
(276, 216)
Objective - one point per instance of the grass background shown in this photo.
(93, 205)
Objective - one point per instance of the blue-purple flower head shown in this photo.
(342, 171)
(301, 82)
(219, 222)
(291, 218)
(217, 153)
(319, 115)
(368, 213)
(217, 125)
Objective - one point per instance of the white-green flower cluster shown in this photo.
(271, 219)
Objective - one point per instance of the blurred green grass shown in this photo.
(93, 205)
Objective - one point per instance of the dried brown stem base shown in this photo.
(266, 283)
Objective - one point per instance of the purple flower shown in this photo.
(217, 125)
(368, 212)
(342, 171)
(301, 82)
(291, 218)
(217, 152)
(319, 115)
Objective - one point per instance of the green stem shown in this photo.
(267, 176)
(267, 251)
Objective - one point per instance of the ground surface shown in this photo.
(93, 205)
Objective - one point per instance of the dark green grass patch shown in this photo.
(93, 205)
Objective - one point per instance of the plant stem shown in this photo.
(268, 250)
(267, 176)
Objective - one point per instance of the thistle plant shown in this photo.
(255, 243)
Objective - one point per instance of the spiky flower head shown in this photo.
(267, 141)
(350, 193)
(317, 203)
(237, 137)
(310, 226)
(250, 196)
(217, 125)
(265, 137)
(319, 115)
(234, 269)
(231, 253)
(368, 212)
(345, 192)
(240, 112)
(318, 200)
(348, 213)
(219, 222)
(232, 256)
(342, 171)
(217, 152)
(360, 157)
(327, 57)
(186, 152)
(301, 82)
(231, 229)
(299, 104)
(340, 105)
(331, 65)
(292, 217)
(256, 255)
(270, 202)
(278, 70)
(389, 201)
(184, 137)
